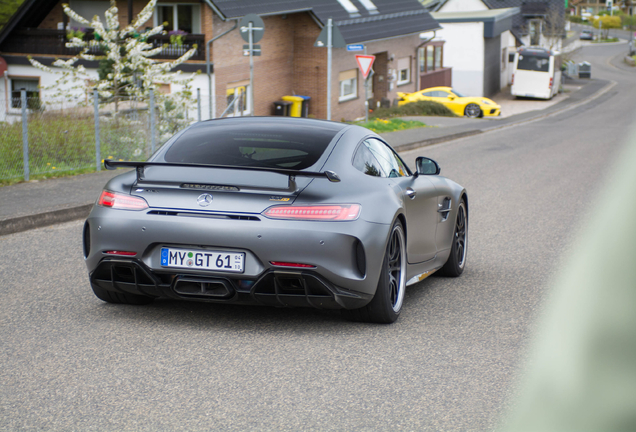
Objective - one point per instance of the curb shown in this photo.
(432, 141)
(541, 115)
(39, 220)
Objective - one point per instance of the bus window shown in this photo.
(533, 63)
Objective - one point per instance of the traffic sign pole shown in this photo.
(329, 43)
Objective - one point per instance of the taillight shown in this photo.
(342, 212)
(512, 81)
(121, 201)
(550, 82)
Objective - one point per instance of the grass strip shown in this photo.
(391, 125)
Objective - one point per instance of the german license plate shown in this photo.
(203, 260)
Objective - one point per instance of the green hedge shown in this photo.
(420, 108)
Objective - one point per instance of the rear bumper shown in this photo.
(272, 288)
(347, 255)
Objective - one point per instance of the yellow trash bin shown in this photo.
(297, 105)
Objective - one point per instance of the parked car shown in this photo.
(275, 211)
(455, 101)
(586, 34)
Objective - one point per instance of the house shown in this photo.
(290, 64)
(478, 45)
(595, 6)
(538, 23)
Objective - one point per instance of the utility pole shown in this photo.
(252, 29)
(251, 42)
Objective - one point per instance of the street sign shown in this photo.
(355, 47)
(258, 28)
(364, 63)
(337, 41)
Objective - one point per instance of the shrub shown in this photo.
(420, 108)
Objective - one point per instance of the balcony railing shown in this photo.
(53, 42)
(439, 77)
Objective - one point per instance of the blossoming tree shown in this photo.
(132, 71)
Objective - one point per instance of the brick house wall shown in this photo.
(395, 49)
(272, 70)
(290, 64)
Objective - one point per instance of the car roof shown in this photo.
(286, 123)
(437, 88)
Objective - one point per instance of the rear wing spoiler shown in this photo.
(140, 166)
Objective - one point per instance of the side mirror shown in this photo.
(426, 166)
(452, 97)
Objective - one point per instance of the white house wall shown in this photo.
(48, 96)
(464, 52)
(463, 6)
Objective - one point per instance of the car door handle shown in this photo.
(410, 193)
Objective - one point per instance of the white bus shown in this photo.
(537, 73)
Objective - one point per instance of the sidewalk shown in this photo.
(36, 204)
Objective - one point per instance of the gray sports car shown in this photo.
(275, 211)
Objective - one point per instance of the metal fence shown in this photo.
(41, 138)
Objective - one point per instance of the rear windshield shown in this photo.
(254, 142)
(533, 63)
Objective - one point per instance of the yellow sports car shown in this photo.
(453, 100)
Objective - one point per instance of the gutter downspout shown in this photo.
(211, 101)
(417, 66)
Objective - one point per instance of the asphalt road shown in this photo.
(71, 362)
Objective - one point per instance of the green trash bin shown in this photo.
(297, 105)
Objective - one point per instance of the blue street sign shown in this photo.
(355, 47)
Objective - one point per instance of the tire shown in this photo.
(472, 110)
(456, 262)
(121, 298)
(386, 305)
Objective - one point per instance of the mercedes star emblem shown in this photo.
(204, 200)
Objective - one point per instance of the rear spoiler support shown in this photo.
(292, 174)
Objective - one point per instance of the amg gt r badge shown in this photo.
(204, 200)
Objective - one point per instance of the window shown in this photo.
(404, 70)
(31, 85)
(238, 99)
(388, 163)
(254, 143)
(184, 17)
(438, 57)
(533, 63)
(348, 85)
(88, 9)
(365, 162)
(430, 57)
(535, 32)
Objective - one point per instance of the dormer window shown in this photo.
(349, 7)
